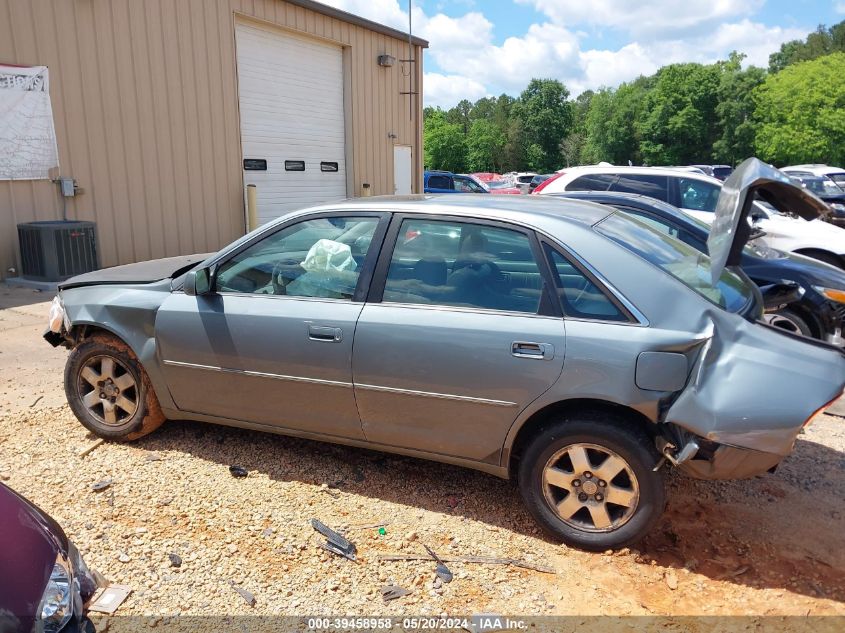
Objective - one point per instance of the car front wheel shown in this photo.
(589, 481)
(109, 391)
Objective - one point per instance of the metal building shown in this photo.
(165, 109)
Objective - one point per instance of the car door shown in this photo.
(272, 342)
(457, 337)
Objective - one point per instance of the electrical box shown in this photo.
(68, 187)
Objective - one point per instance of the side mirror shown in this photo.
(197, 282)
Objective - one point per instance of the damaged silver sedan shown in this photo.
(556, 342)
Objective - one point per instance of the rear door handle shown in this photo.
(325, 334)
(536, 351)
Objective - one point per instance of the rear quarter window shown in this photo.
(591, 182)
(643, 184)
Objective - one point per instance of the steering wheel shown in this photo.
(280, 279)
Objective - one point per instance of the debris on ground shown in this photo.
(440, 569)
(392, 592)
(238, 471)
(335, 543)
(481, 560)
(175, 560)
(101, 485)
(246, 595)
(85, 451)
(671, 579)
(110, 598)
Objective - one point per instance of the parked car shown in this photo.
(436, 327)
(720, 172)
(486, 176)
(503, 187)
(828, 191)
(45, 585)
(536, 180)
(522, 180)
(697, 195)
(818, 311)
(447, 182)
(836, 174)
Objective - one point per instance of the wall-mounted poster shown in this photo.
(28, 148)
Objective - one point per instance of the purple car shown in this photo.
(44, 583)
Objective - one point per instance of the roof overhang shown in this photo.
(319, 7)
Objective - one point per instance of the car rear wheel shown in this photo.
(109, 391)
(589, 481)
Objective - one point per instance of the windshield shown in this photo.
(838, 178)
(682, 261)
(499, 184)
(822, 186)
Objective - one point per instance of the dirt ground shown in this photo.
(769, 546)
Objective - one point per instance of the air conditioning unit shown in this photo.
(56, 250)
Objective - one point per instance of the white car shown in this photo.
(697, 195)
(836, 174)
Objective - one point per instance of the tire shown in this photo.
(790, 321)
(638, 492)
(125, 408)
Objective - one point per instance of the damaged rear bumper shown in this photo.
(730, 462)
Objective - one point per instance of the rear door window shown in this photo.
(591, 182)
(465, 265)
(698, 195)
(644, 185)
(439, 182)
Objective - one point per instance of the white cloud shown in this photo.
(840, 7)
(657, 17)
(469, 65)
(446, 90)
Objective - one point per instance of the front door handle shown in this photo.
(325, 334)
(536, 351)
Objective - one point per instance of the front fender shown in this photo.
(129, 313)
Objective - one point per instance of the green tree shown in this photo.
(546, 118)
(822, 41)
(735, 110)
(444, 143)
(612, 124)
(485, 143)
(800, 113)
(680, 127)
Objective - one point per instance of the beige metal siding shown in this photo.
(146, 112)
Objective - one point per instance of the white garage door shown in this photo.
(291, 108)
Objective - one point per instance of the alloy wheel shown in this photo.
(108, 390)
(590, 488)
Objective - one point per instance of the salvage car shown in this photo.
(697, 194)
(45, 585)
(816, 310)
(561, 343)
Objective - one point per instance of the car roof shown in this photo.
(631, 199)
(625, 169)
(527, 210)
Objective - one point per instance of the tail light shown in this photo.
(545, 183)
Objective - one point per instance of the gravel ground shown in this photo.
(773, 545)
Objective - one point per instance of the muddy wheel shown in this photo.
(109, 391)
(589, 482)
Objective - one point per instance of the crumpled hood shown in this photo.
(140, 273)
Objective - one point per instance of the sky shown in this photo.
(481, 48)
